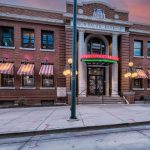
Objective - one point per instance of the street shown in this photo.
(129, 138)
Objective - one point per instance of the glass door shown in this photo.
(96, 78)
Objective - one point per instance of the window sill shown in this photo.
(27, 88)
(148, 57)
(7, 88)
(148, 89)
(47, 88)
(138, 56)
(27, 49)
(47, 50)
(7, 47)
(138, 89)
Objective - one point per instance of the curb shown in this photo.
(76, 129)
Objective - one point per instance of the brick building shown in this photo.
(35, 46)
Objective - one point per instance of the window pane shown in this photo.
(148, 82)
(7, 36)
(47, 40)
(138, 44)
(47, 81)
(27, 38)
(138, 83)
(148, 49)
(137, 52)
(7, 80)
(28, 81)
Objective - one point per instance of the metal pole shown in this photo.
(73, 83)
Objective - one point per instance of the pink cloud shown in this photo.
(139, 9)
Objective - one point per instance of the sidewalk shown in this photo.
(19, 120)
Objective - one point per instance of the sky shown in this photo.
(139, 9)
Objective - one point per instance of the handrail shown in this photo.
(126, 100)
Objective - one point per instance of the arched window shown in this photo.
(96, 46)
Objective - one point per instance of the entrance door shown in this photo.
(96, 78)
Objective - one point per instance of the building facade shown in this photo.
(35, 46)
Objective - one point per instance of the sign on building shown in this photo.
(61, 92)
(99, 13)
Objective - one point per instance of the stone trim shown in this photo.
(91, 18)
(29, 18)
(27, 88)
(47, 50)
(31, 8)
(7, 47)
(138, 89)
(7, 88)
(27, 49)
(139, 31)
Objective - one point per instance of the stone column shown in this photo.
(115, 66)
(82, 68)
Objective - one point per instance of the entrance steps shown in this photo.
(99, 100)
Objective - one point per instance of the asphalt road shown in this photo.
(131, 138)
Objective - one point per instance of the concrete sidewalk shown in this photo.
(19, 120)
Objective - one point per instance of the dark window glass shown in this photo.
(6, 36)
(148, 49)
(27, 81)
(138, 48)
(96, 46)
(47, 40)
(138, 83)
(47, 81)
(27, 38)
(148, 83)
(7, 80)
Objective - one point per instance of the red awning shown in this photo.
(26, 69)
(141, 74)
(7, 68)
(46, 70)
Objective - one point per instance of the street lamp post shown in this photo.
(74, 47)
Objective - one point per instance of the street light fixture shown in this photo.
(131, 74)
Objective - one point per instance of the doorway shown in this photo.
(96, 81)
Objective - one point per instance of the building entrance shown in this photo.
(96, 81)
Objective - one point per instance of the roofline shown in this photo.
(32, 8)
(140, 23)
(97, 1)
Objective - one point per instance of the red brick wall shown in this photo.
(123, 65)
(140, 62)
(57, 58)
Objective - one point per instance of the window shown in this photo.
(138, 48)
(148, 83)
(27, 81)
(27, 38)
(7, 80)
(47, 81)
(6, 36)
(148, 49)
(47, 40)
(96, 46)
(138, 83)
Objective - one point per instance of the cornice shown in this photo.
(91, 18)
(26, 18)
(31, 8)
(139, 31)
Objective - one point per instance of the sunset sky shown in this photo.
(139, 9)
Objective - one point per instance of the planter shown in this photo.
(129, 96)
